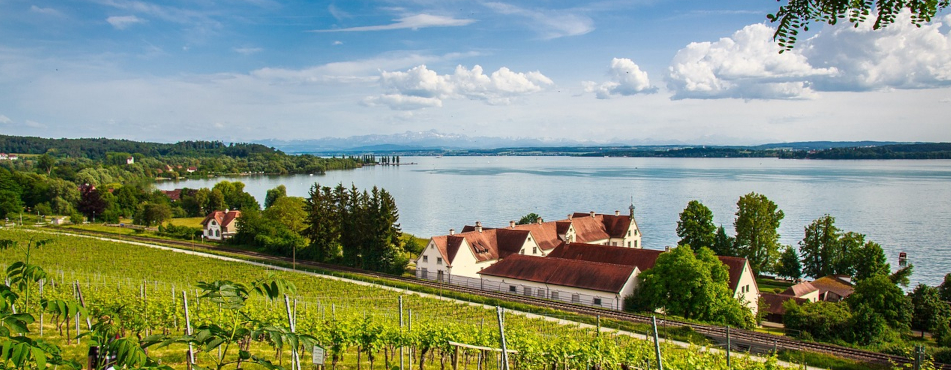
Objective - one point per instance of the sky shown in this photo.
(649, 71)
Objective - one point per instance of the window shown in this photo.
(425, 258)
(540, 293)
(213, 223)
(635, 244)
(527, 291)
(439, 276)
(512, 288)
(217, 233)
(438, 260)
(614, 244)
(554, 295)
(521, 251)
(534, 250)
(629, 233)
(628, 244)
(597, 301)
(576, 298)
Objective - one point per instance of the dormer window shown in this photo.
(213, 223)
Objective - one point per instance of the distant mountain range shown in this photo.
(434, 142)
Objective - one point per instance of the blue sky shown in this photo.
(650, 71)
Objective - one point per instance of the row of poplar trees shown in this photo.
(354, 228)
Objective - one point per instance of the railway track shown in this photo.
(739, 338)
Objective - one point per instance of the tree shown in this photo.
(757, 239)
(90, 202)
(289, 211)
(944, 290)
(825, 321)
(152, 214)
(694, 286)
(530, 218)
(46, 163)
(796, 15)
(724, 245)
(273, 195)
(929, 310)
(695, 227)
(885, 298)
(869, 260)
(789, 266)
(820, 247)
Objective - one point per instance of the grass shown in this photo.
(187, 221)
(767, 285)
(826, 361)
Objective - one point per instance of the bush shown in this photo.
(179, 232)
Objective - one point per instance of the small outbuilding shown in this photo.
(220, 225)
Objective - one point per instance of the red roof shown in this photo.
(643, 259)
(174, 195)
(223, 218)
(836, 284)
(604, 277)
(775, 302)
(800, 289)
(490, 244)
(736, 266)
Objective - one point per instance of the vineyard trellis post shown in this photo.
(42, 281)
(188, 331)
(401, 332)
(505, 355)
(728, 345)
(82, 302)
(291, 321)
(660, 363)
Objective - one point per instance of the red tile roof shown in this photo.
(604, 277)
(545, 234)
(736, 266)
(223, 218)
(800, 289)
(775, 302)
(490, 244)
(835, 284)
(643, 259)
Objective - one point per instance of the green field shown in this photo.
(135, 285)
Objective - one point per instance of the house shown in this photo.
(130, 160)
(220, 225)
(599, 275)
(742, 281)
(831, 288)
(5, 156)
(458, 257)
(191, 169)
(575, 281)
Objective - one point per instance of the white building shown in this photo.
(220, 225)
(458, 257)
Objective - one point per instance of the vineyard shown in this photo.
(139, 293)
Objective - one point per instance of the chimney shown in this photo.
(667, 248)
(592, 214)
(512, 224)
(569, 216)
(540, 220)
(452, 231)
(617, 213)
(478, 226)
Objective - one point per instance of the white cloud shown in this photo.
(364, 70)
(500, 87)
(414, 22)
(337, 13)
(34, 124)
(45, 11)
(5, 120)
(900, 56)
(247, 50)
(627, 78)
(550, 24)
(402, 102)
(123, 22)
(746, 65)
(337, 42)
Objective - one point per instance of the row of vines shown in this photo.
(240, 318)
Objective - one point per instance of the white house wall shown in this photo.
(747, 290)
(541, 290)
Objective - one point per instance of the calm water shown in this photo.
(903, 205)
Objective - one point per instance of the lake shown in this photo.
(902, 205)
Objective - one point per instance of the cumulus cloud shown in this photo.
(247, 50)
(5, 120)
(123, 22)
(420, 87)
(627, 78)
(900, 56)
(414, 22)
(746, 65)
(550, 24)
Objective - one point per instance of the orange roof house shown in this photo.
(220, 225)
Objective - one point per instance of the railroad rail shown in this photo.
(740, 338)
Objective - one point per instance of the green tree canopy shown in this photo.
(530, 218)
(289, 211)
(797, 15)
(695, 227)
(695, 286)
(930, 311)
(757, 238)
(724, 245)
(885, 298)
(789, 266)
(944, 290)
(273, 195)
(820, 247)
